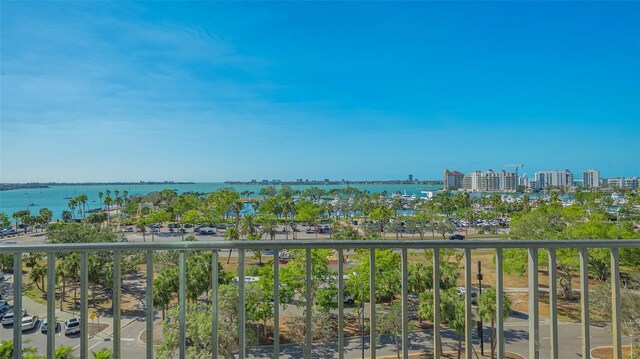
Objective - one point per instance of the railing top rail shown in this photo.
(318, 244)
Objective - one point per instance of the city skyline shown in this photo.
(239, 91)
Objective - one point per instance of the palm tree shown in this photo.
(248, 225)
(72, 268)
(61, 278)
(103, 353)
(32, 259)
(73, 203)
(269, 226)
(37, 275)
(64, 352)
(231, 235)
(82, 199)
(108, 201)
(457, 323)
(100, 195)
(488, 311)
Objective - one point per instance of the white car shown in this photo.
(474, 294)
(8, 318)
(247, 279)
(29, 322)
(72, 326)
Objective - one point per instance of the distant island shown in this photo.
(328, 182)
(12, 186)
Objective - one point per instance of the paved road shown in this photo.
(516, 338)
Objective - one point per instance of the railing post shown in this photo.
(182, 287)
(340, 304)
(276, 303)
(150, 306)
(534, 324)
(214, 304)
(84, 317)
(117, 291)
(51, 304)
(437, 338)
(615, 301)
(405, 305)
(242, 351)
(468, 314)
(17, 305)
(499, 304)
(372, 303)
(584, 302)
(553, 304)
(308, 301)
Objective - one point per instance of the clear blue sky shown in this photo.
(101, 91)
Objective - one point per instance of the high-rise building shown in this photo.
(453, 179)
(624, 182)
(475, 181)
(410, 178)
(524, 181)
(508, 181)
(558, 179)
(493, 181)
(490, 181)
(591, 178)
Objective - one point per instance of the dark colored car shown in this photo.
(457, 236)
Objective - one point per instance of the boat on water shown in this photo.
(32, 204)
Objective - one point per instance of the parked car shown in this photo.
(4, 308)
(457, 236)
(29, 322)
(474, 294)
(71, 326)
(128, 229)
(45, 326)
(7, 319)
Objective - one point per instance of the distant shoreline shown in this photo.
(332, 183)
(13, 186)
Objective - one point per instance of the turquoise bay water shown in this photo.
(54, 196)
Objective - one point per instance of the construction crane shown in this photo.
(516, 166)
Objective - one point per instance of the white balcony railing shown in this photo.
(466, 246)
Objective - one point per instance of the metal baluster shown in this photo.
(372, 302)
(340, 304)
(468, 314)
(84, 318)
(534, 325)
(308, 331)
(117, 291)
(553, 303)
(149, 304)
(405, 306)
(242, 351)
(17, 305)
(584, 302)
(182, 284)
(615, 301)
(51, 304)
(214, 304)
(276, 302)
(437, 338)
(499, 304)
